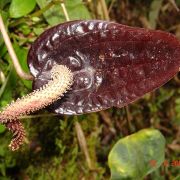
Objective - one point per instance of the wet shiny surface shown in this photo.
(113, 64)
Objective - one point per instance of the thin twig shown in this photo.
(38, 116)
(9, 46)
(129, 119)
(83, 144)
(65, 11)
(44, 9)
(174, 147)
(2, 76)
(177, 79)
(145, 22)
(174, 5)
(5, 83)
(111, 5)
(105, 10)
(108, 121)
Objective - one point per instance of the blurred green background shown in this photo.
(52, 150)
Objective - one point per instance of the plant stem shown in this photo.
(173, 2)
(38, 116)
(41, 11)
(2, 76)
(12, 54)
(65, 11)
(129, 119)
(111, 5)
(105, 10)
(5, 83)
(82, 143)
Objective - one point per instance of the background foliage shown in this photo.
(52, 150)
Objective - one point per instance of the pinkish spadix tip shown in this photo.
(62, 79)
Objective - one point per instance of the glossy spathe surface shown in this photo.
(113, 64)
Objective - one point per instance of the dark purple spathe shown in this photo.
(113, 64)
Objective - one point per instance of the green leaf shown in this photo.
(19, 8)
(137, 155)
(77, 10)
(24, 28)
(38, 30)
(54, 15)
